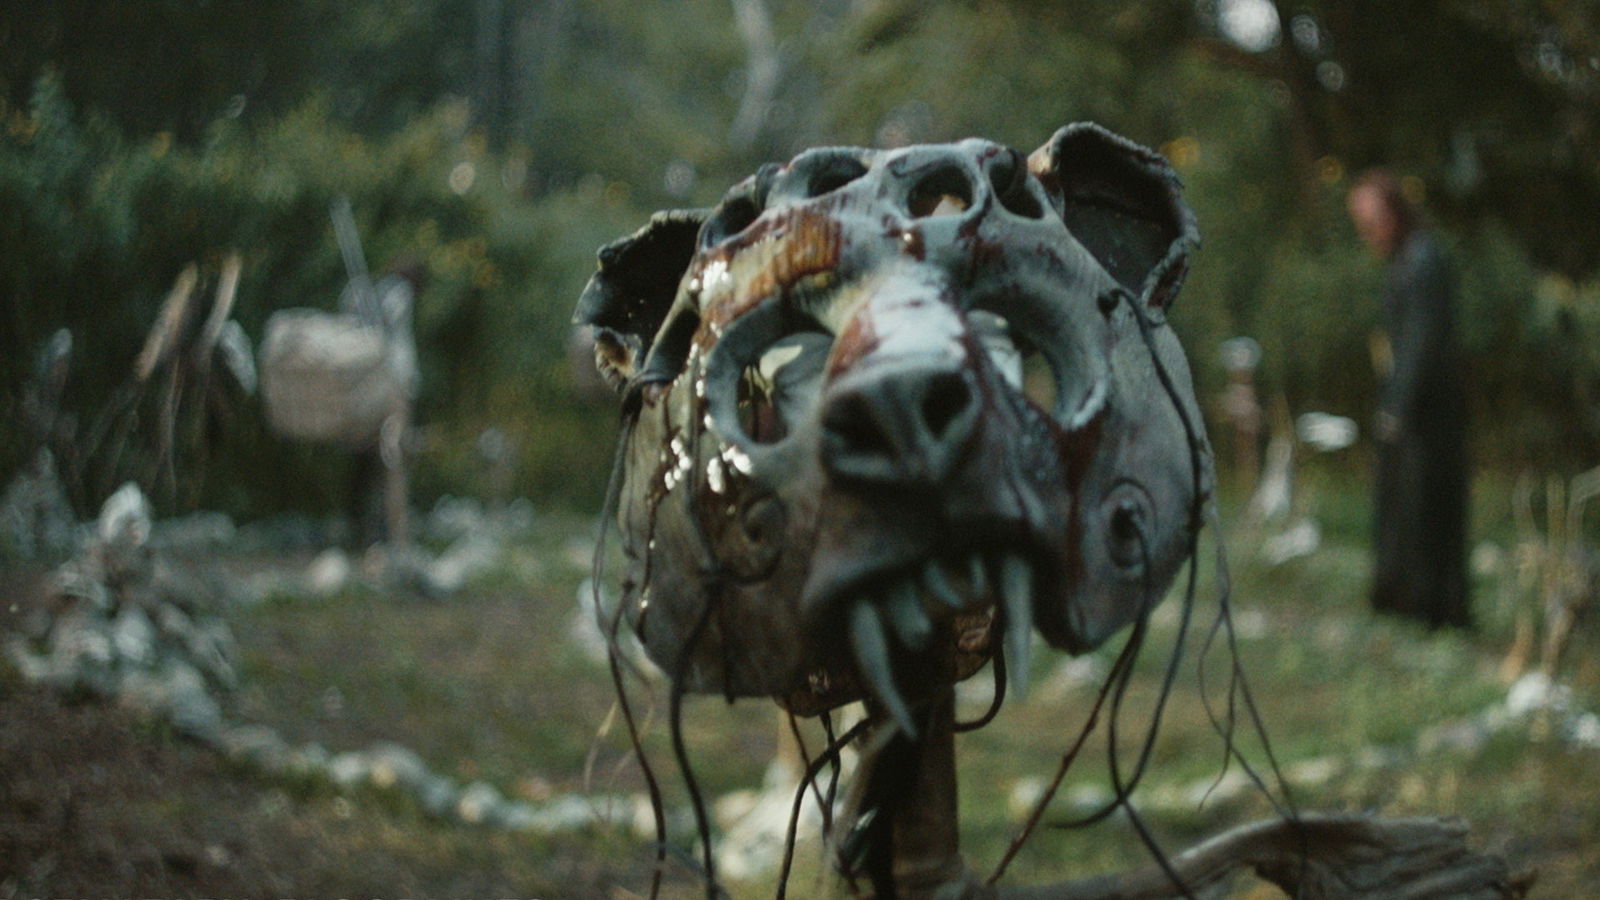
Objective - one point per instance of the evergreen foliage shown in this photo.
(500, 142)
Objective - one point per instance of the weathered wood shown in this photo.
(1318, 857)
(165, 335)
(221, 307)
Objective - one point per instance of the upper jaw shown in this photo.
(871, 560)
(915, 617)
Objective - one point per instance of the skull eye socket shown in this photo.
(1017, 359)
(1008, 176)
(1039, 381)
(834, 173)
(764, 375)
(732, 217)
(781, 387)
(944, 191)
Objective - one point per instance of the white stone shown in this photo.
(393, 765)
(1535, 692)
(258, 745)
(1461, 736)
(1313, 772)
(132, 635)
(470, 556)
(1301, 538)
(1024, 795)
(756, 824)
(1088, 796)
(196, 530)
(438, 795)
(1326, 432)
(349, 769)
(477, 802)
(329, 572)
(125, 518)
(80, 635)
(308, 759)
(191, 707)
(520, 816)
(1586, 731)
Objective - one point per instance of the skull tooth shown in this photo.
(910, 621)
(938, 585)
(1016, 597)
(872, 656)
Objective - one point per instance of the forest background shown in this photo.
(500, 142)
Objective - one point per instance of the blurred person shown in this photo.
(1420, 508)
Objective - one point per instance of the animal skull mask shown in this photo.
(886, 407)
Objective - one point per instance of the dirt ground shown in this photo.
(97, 802)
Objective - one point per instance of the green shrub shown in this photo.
(96, 227)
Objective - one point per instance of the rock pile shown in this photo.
(121, 625)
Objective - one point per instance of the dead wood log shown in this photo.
(1319, 857)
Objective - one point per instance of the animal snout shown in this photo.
(899, 422)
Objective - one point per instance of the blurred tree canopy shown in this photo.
(499, 142)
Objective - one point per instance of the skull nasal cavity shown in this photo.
(908, 425)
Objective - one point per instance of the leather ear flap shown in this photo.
(1124, 203)
(629, 295)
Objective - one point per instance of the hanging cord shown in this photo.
(1115, 687)
(829, 755)
(1124, 659)
(1122, 670)
(614, 657)
(1207, 513)
(715, 577)
(1125, 792)
(706, 869)
(999, 695)
(1239, 688)
(835, 772)
(1118, 679)
(1168, 679)
(680, 751)
(805, 766)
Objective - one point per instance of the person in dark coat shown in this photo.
(1420, 521)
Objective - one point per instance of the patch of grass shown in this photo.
(490, 685)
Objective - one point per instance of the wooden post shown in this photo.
(396, 493)
(927, 841)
